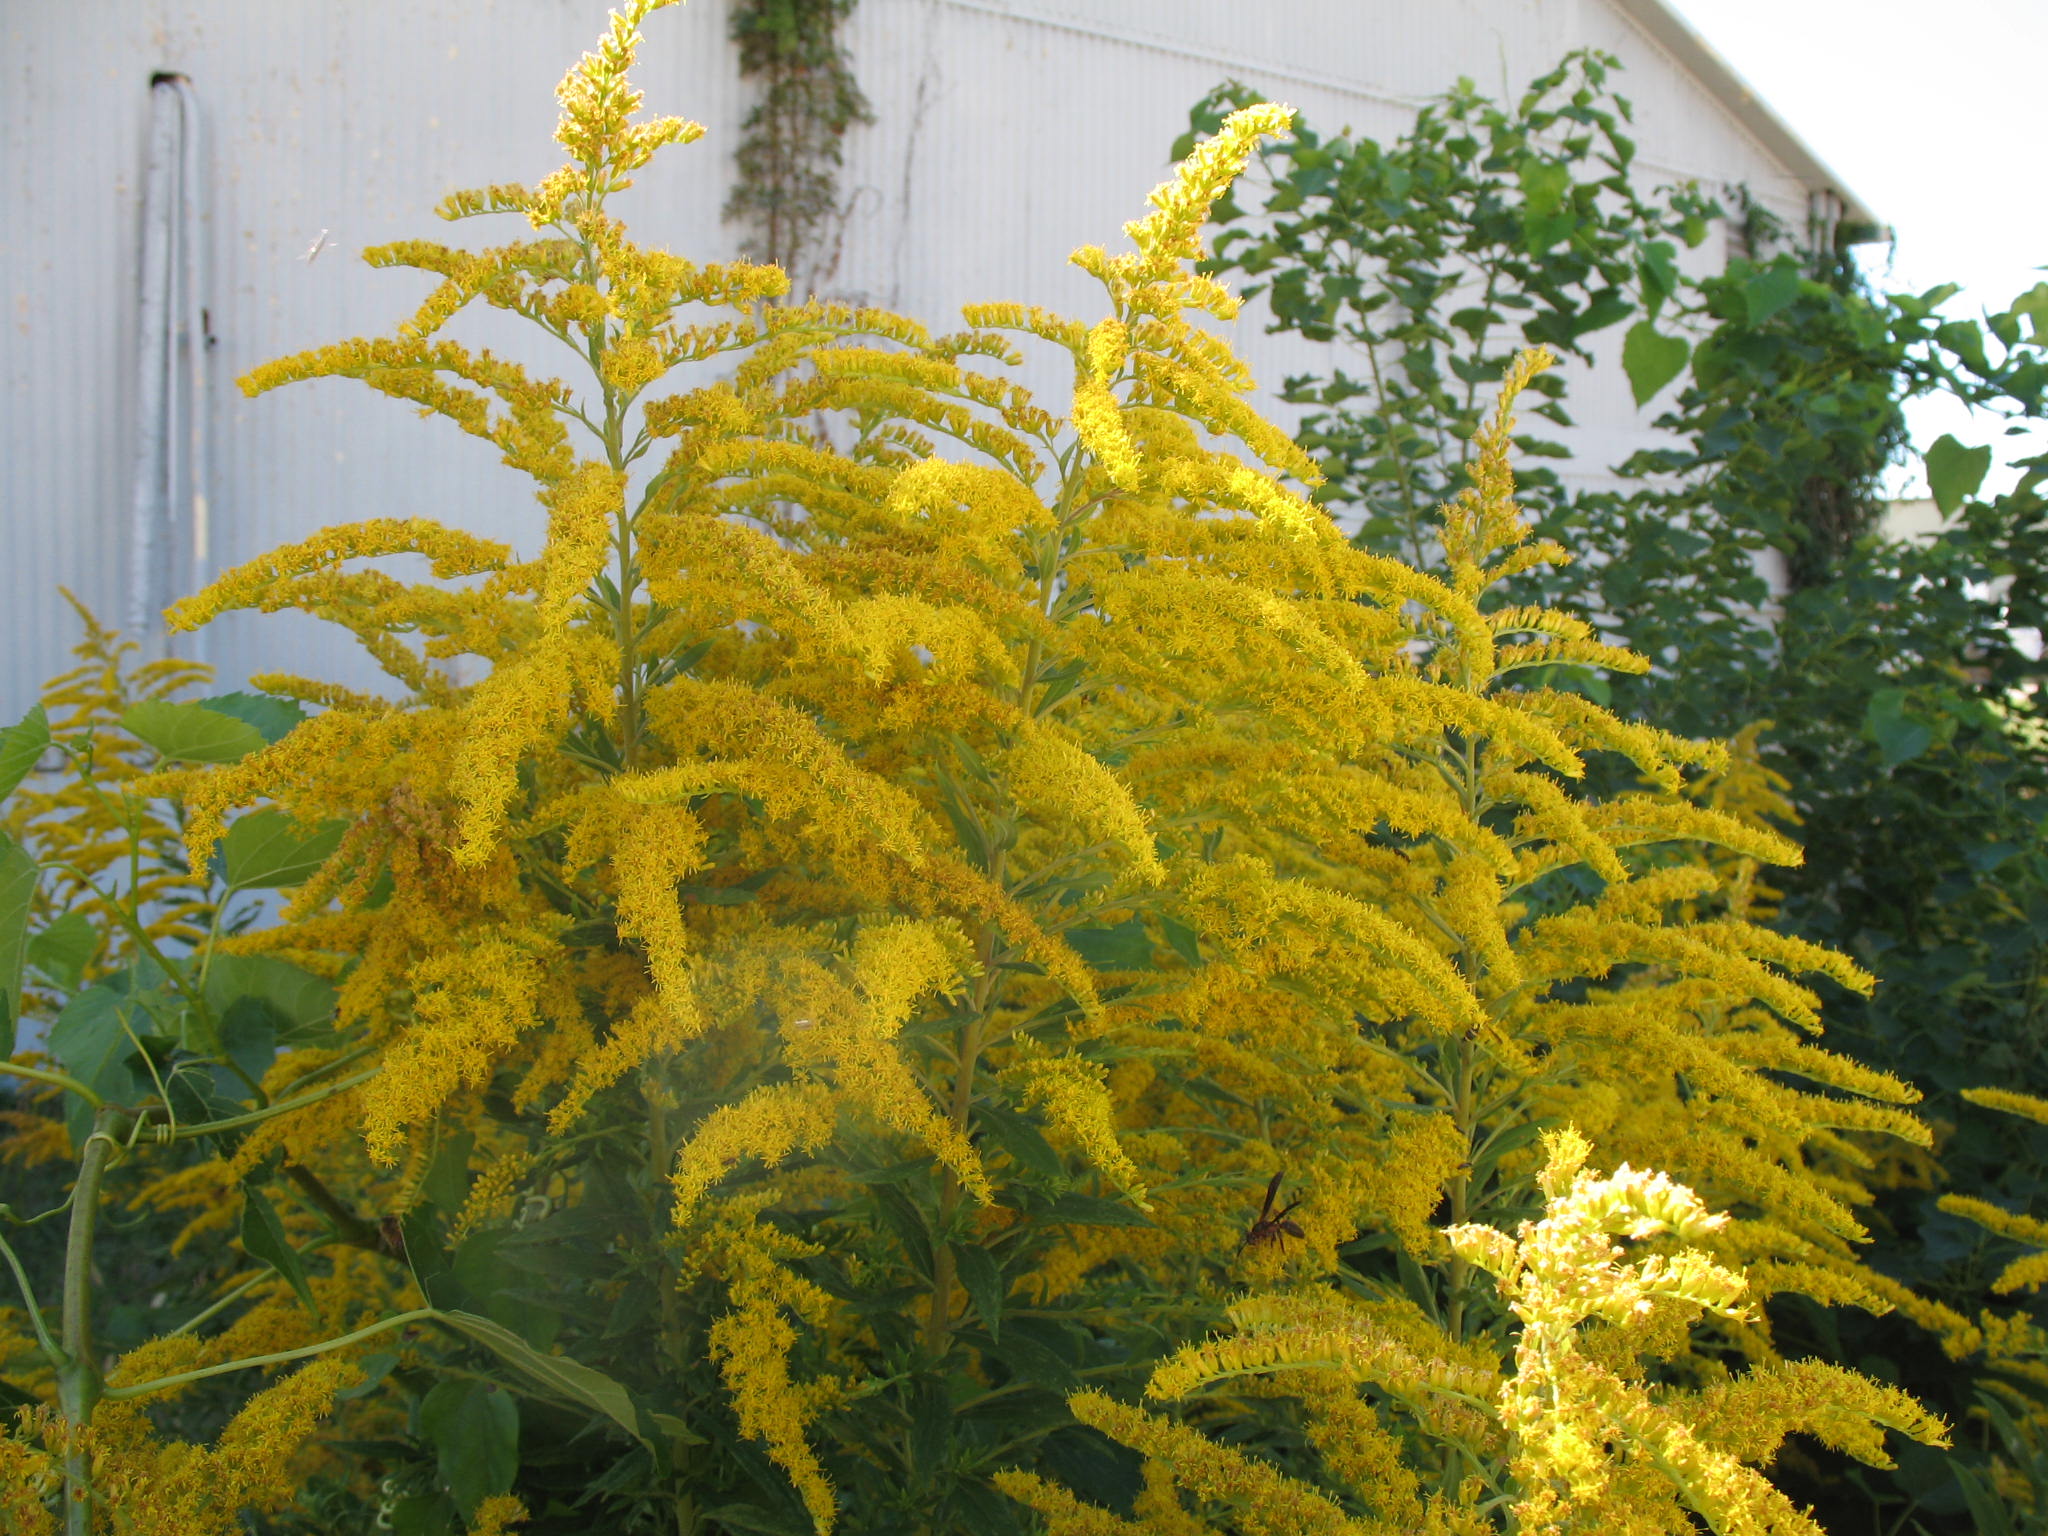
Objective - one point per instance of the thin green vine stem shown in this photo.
(170, 1133)
(56, 1079)
(282, 1357)
(35, 1307)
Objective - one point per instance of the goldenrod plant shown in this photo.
(812, 1022)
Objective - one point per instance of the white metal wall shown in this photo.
(1009, 133)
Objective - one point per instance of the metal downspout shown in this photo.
(169, 525)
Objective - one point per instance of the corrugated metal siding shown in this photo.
(1009, 133)
(354, 118)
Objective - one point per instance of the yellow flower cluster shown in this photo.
(1591, 1446)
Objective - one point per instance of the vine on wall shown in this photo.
(792, 142)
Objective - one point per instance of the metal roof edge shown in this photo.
(1696, 55)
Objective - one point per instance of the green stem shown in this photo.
(200, 1319)
(938, 1323)
(283, 1357)
(35, 1307)
(57, 1079)
(79, 1385)
(167, 1133)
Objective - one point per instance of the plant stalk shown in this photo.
(79, 1384)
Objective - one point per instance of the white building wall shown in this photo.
(1009, 133)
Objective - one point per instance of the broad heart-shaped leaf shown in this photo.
(248, 1038)
(297, 1001)
(92, 1037)
(272, 716)
(263, 1239)
(1771, 290)
(267, 851)
(1954, 472)
(192, 733)
(1899, 737)
(64, 948)
(565, 1378)
(18, 874)
(21, 746)
(474, 1428)
(1651, 359)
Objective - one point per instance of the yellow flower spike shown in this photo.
(2026, 1105)
(1172, 233)
(772, 1123)
(752, 1345)
(1075, 1097)
(1065, 1515)
(471, 1006)
(1109, 344)
(1265, 1501)
(1057, 780)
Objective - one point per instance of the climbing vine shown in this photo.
(792, 142)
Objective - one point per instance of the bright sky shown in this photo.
(1935, 115)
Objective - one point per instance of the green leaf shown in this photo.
(297, 1001)
(931, 1429)
(566, 1378)
(1657, 271)
(1030, 1357)
(272, 716)
(18, 875)
(1544, 183)
(1546, 212)
(2034, 305)
(1651, 359)
(263, 1239)
(248, 1038)
(423, 1514)
(374, 1368)
(267, 851)
(474, 1428)
(1900, 738)
(21, 747)
(192, 733)
(1125, 946)
(1093, 1211)
(447, 1180)
(1182, 939)
(1771, 290)
(982, 1278)
(1018, 1136)
(427, 1257)
(64, 948)
(91, 1037)
(1954, 472)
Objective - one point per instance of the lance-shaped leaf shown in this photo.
(263, 1239)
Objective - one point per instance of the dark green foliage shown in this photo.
(792, 144)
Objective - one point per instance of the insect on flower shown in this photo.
(1271, 1225)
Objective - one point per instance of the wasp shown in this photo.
(1271, 1225)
